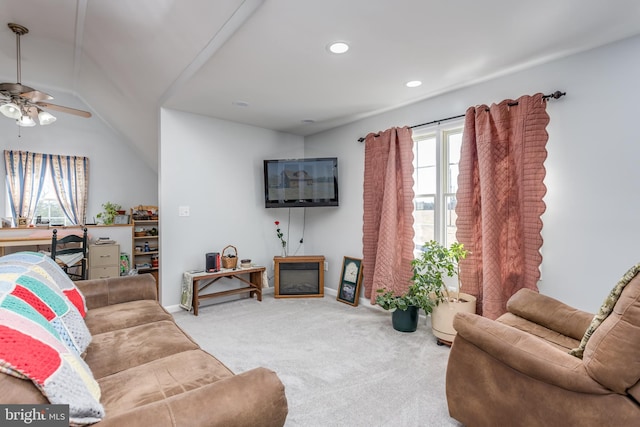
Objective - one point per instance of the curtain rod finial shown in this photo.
(555, 95)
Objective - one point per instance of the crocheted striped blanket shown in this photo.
(43, 334)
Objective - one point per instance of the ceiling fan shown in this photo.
(26, 104)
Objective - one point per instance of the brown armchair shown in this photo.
(517, 370)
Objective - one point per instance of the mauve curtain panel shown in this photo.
(499, 199)
(388, 211)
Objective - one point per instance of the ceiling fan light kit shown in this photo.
(11, 110)
(23, 103)
(25, 121)
(45, 118)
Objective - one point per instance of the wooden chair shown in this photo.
(69, 257)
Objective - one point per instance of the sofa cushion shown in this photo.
(634, 391)
(252, 398)
(47, 267)
(18, 390)
(115, 290)
(122, 349)
(124, 315)
(550, 313)
(554, 338)
(160, 379)
(605, 309)
(611, 356)
(59, 373)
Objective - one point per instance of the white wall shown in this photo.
(590, 225)
(215, 168)
(116, 172)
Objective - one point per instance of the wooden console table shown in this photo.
(201, 281)
(40, 236)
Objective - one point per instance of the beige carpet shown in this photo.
(341, 365)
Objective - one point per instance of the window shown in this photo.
(48, 207)
(34, 182)
(435, 159)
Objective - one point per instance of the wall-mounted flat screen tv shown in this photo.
(301, 182)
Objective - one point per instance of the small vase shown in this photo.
(284, 251)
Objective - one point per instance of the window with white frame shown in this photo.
(435, 159)
(48, 208)
(40, 178)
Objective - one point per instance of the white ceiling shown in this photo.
(125, 59)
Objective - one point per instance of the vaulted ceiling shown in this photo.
(266, 63)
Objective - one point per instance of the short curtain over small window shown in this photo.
(25, 176)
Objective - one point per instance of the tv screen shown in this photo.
(301, 182)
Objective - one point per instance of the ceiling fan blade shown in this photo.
(36, 96)
(15, 89)
(63, 109)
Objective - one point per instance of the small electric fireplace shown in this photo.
(299, 276)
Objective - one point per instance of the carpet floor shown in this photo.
(341, 365)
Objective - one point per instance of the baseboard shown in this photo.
(173, 308)
(330, 291)
(364, 302)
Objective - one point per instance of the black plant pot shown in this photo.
(405, 320)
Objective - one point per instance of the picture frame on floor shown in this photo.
(350, 281)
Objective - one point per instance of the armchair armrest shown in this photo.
(103, 292)
(526, 354)
(549, 313)
(253, 398)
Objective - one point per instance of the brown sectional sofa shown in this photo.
(517, 370)
(151, 373)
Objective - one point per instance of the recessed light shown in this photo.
(413, 83)
(338, 47)
(241, 103)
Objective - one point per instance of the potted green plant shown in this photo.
(430, 272)
(108, 215)
(404, 307)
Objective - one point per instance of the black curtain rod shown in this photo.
(555, 95)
